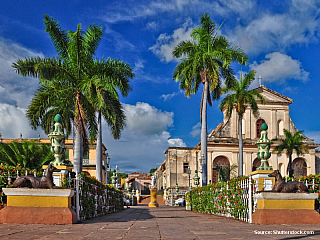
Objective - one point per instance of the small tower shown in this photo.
(57, 139)
(264, 148)
(261, 175)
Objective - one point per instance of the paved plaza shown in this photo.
(141, 222)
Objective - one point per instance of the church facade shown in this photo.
(223, 145)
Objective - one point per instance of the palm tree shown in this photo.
(62, 84)
(207, 59)
(291, 142)
(102, 93)
(28, 154)
(240, 98)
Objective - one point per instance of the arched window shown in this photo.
(280, 128)
(299, 167)
(221, 161)
(280, 168)
(258, 127)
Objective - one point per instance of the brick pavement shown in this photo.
(141, 222)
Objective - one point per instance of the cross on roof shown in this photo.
(260, 78)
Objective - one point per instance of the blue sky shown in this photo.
(281, 39)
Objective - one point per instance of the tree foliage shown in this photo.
(28, 154)
(292, 142)
(152, 170)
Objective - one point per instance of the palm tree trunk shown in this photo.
(240, 148)
(77, 149)
(290, 170)
(99, 149)
(204, 134)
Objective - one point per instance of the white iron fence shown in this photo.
(244, 191)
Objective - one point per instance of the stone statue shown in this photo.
(37, 182)
(153, 181)
(286, 187)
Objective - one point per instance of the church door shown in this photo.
(299, 167)
(222, 161)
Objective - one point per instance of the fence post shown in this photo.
(77, 197)
(313, 184)
(250, 199)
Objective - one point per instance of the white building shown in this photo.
(223, 145)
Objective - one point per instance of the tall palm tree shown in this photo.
(291, 142)
(28, 154)
(62, 83)
(102, 93)
(240, 98)
(206, 59)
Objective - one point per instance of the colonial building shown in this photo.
(139, 181)
(89, 160)
(223, 145)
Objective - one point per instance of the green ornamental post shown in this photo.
(264, 148)
(196, 178)
(114, 177)
(57, 138)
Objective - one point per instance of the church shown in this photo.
(223, 146)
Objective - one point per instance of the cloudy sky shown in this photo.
(280, 37)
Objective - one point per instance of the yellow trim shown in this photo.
(261, 172)
(286, 204)
(38, 201)
(59, 167)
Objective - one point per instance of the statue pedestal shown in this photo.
(58, 177)
(38, 206)
(286, 208)
(265, 183)
(153, 201)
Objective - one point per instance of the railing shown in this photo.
(170, 198)
(235, 200)
(92, 198)
(231, 199)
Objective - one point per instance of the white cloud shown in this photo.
(151, 25)
(16, 92)
(130, 11)
(133, 10)
(270, 32)
(167, 97)
(143, 119)
(165, 43)
(279, 67)
(143, 141)
(176, 142)
(19, 90)
(196, 130)
(13, 122)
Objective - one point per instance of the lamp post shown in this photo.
(114, 177)
(140, 184)
(196, 178)
(117, 171)
(202, 161)
(106, 165)
(189, 173)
